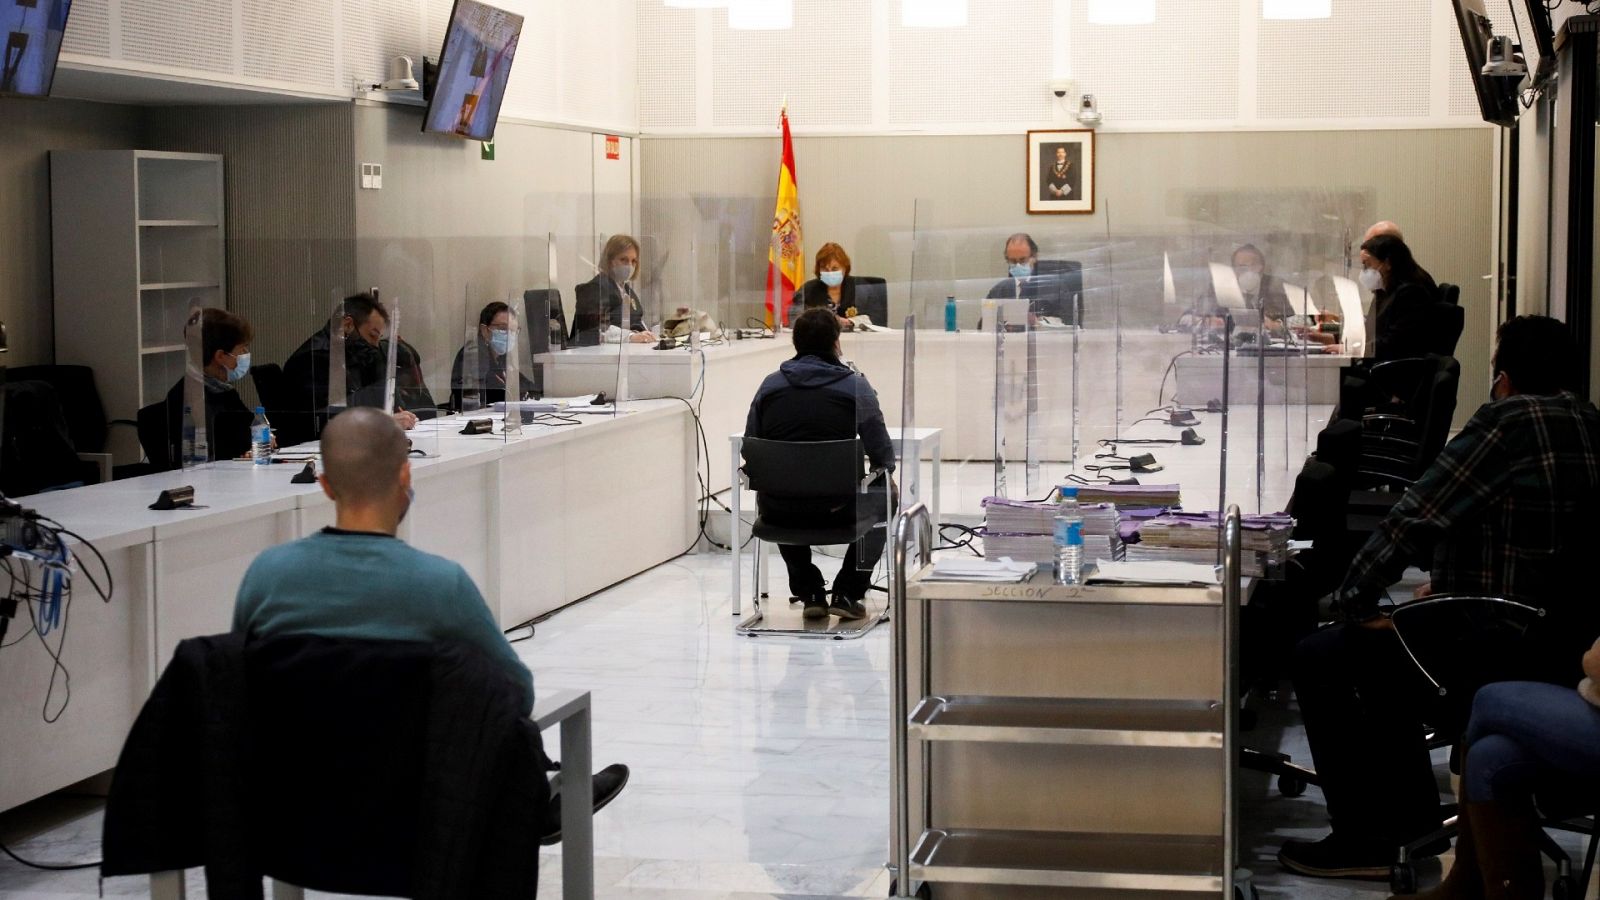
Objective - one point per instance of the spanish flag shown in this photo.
(785, 255)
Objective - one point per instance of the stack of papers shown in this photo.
(1130, 496)
(1153, 573)
(1193, 537)
(1002, 571)
(1025, 529)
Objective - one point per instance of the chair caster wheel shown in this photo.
(1564, 888)
(925, 892)
(1239, 893)
(1290, 786)
(1403, 878)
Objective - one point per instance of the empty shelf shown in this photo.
(1137, 862)
(1192, 724)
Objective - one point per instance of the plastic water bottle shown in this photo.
(950, 313)
(261, 438)
(1069, 538)
(188, 436)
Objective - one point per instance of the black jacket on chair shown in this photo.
(598, 304)
(371, 767)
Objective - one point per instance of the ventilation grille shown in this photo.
(1369, 60)
(993, 71)
(88, 29)
(533, 89)
(666, 65)
(1185, 66)
(284, 41)
(823, 65)
(189, 34)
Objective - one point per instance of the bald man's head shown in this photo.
(1381, 229)
(364, 458)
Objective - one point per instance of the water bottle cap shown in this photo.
(1069, 492)
(261, 410)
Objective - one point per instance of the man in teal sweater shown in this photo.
(356, 579)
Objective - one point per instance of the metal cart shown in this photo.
(1054, 741)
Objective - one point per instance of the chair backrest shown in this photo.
(544, 305)
(1463, 643)
(271, 388)
(155, 437)
(1448, 320)
(1439, 412)
(814, 470)
(37, 453)
(872, 298)
(80, 401)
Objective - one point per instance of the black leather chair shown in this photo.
(37, 453)
(1460, 644)
(1398, 446)
(155, 438)
(813, 494)
(389, 798)
(872, 299)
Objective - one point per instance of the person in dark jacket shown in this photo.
(410, 385)
(306, 370)
(599, 300)
(1262, 291)
(1403, 299)
(225, 349)
(1049, 286)
(488, 386)
(815, 397)
(833, 287)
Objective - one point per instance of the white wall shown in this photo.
(574, 63)
(849, 66)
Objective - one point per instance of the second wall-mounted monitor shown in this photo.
(473, 69)
(1537, 37)
(30, 43)
(1497, 96)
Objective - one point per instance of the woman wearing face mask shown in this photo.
(225, 352)
(833, 287)
(1403, 298)
(599, 301)
(494, 344)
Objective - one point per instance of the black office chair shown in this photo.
(38, 453)
(398, 795)
(1398, 445)
(813, 494)
(872, 299)
(1460, 644)
(1447, 321)
(155, 438)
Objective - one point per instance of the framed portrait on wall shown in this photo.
(1061, 171)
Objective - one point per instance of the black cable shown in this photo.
(49, 867)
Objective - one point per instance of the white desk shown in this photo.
(910, 446)
(534, 520)
(1312, 379)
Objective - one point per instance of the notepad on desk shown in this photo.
(999, 571)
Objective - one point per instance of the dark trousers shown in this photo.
(855, 572)
(1364, 703)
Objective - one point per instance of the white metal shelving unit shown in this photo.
(1075, 740)
(138, 239)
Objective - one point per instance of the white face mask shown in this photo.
(1371, 279)
(1249, 281)
(833, 277)
(621, 272)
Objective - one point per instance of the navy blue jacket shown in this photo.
(814, 398)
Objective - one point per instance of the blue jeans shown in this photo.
(1525, 735)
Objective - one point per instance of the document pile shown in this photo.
(1130, 496)
(1163, 573)
(967, 568)
(1193, 537)
(1025, 530)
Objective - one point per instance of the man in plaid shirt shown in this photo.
(1497, 514)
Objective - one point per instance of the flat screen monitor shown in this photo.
(30, 42)
(1497, 97)
(1537, 38)
(473, 67)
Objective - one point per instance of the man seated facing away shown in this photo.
(1501, 513)
(357, 580)
(815, 397)
(225, 351)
